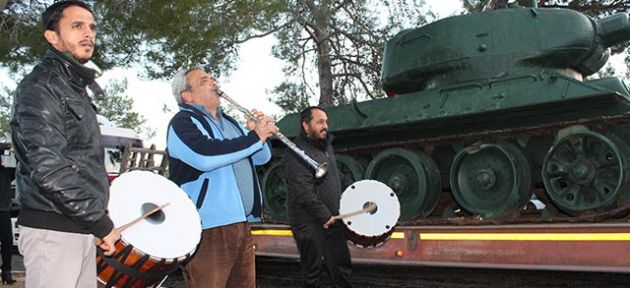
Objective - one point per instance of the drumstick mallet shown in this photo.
(367, 209)
(122, 228)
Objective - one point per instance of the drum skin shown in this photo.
(368, 230)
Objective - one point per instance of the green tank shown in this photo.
(490, 119)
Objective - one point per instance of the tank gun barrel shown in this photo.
(614, 29)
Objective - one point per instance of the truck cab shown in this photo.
(115, 139)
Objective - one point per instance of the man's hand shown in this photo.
(108, 242)
(251, 123)
(265, 129)
(329, 222)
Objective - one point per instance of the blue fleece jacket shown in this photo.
(200, 162)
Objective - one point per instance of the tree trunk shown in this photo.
(324, 69)
(325, 75)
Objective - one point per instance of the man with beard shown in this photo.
(60, 176)
(312, 203)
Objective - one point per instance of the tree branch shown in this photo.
(274, 30)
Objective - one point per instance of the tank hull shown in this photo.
(523, 117)
(515, 105)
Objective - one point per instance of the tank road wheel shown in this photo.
(491, 180)
(584, 171)
(274, 188)
(413, 176)
(350, 166)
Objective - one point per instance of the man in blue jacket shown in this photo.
(212, 158)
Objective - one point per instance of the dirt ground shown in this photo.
(19, 276)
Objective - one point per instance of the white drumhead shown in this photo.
(358, 196)
(171, 234)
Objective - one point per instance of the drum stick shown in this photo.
(98, 241)
(367, 209)
(145, 215)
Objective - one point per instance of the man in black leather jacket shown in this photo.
(312, 203)
(61, 178)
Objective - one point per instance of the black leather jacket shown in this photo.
(60, 177)
(312, 200)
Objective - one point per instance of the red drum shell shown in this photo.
(132, 268)
(367, 241)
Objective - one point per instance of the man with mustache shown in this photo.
(213, 159)
(60, 177)
(312, 203)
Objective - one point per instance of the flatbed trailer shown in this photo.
(601, 247)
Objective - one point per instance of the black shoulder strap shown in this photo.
(202, 193)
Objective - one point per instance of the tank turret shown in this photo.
(500, 43)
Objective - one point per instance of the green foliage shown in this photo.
(6, 96)
(291, 97)
(117, 107)
(22, 41)
(474, 6)
(598, 8)
(162, 35)
(339, 43)
(607, 71)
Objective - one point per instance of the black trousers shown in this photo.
(323, 249)
(6, 240)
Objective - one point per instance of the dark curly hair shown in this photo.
(53, 13)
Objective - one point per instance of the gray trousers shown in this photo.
(58, 259)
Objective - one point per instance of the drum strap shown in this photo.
(202, 193)
(115, 261)
(133, 273)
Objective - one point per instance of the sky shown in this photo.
(257, 72)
